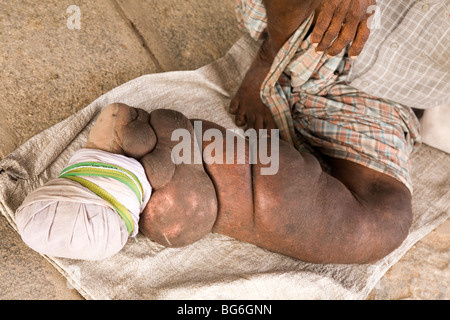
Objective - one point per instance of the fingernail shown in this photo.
(315, 45)
(320, 52)
(329, 56)
(353, 57)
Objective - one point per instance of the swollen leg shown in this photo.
(356, 215)
(233, 184)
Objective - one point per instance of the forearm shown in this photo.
(284, 18)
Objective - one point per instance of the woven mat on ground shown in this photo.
(217, 267)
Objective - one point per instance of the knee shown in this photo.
(386, 228)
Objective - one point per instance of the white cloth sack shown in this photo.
(436, 127)
(216, 267)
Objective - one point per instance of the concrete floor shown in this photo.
(49, 71)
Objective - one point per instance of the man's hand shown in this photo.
(344, 22)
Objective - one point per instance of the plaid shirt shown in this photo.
(318, 111)
(407, 57)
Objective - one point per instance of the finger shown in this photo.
(240, 120)
(362, 35)
(346, 36)
(335, 27)
(322, 21)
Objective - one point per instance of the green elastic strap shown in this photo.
(96, 169)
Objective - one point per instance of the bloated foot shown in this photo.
(247, 105)
(183, 207)
(123, 130)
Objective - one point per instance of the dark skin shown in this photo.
(292, 212)
(364, 195)
(354, 215)
(337, 24)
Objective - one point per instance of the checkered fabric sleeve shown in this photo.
(319, 111)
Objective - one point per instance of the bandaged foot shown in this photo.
(183, 207)
(96, 203)
(90, 211)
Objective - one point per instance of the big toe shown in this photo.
(240, 120)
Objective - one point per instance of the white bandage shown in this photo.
(65, 219)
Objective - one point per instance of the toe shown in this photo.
(259, 124)
(234, 106)
(240, 120)
(251, 119)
